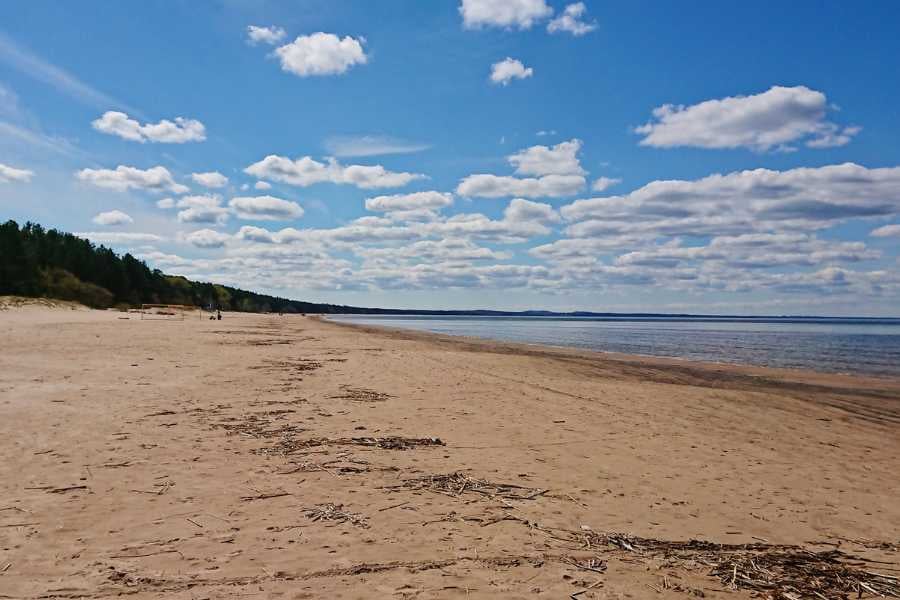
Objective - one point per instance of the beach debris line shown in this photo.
(298, 364)
(335, 512)
(778, 572)
(290, 445)
(361, 395)
(458, 483)
(341, 465)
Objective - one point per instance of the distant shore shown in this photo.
(299, 457)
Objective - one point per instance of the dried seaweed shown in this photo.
(456, 484)
(335, 512)
(290, 445)
(778, 572)
(361, 395)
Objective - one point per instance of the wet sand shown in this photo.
(199, 459)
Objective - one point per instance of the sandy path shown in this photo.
(167, 459)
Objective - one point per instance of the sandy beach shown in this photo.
(293, 457)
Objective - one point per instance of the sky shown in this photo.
(701, 157)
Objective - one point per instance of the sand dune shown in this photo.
(289, 457)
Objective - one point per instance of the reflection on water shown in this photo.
(868, 346)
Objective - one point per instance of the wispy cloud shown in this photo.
(34, 66)
(39, 140)
(371, 145)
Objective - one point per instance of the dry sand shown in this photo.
(180, 460)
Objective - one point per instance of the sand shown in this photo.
(192, 459)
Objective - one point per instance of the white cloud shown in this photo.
(570, 21)
(496, 186)
(112, 217)
(165, 203)
(123, 178)
(603, 183)
(508, 69)
(561, 159)
(255, 234)
(520, 210)
(772, 119)
(521, 14)
(887, 231)
(266, 35)
(370, 145)
(560, 174)
(743, 202)
(207, 238)
(321, 54)
(262, 185)
(212, 179)
(202, 209)
(306, 171)
(119, 237)
(265, 208)
(10, 174)
(165, 132)
(409, 202)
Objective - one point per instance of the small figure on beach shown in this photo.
(218, 315)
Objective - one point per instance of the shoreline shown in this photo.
(887, 378)
(550, 351)
(299, 457)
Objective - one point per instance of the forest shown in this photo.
(40, 262)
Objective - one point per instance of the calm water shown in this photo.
(835, 345)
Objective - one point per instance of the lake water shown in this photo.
(863, 346)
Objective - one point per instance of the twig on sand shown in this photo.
(265, 496)
(63, 490)
(178, 552)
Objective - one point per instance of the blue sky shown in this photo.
(470, 153)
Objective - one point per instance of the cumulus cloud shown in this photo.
(307, 171)
(207, 238)
(112, 217)
(409, 202)
(520, 14)
(265, 208)
(570, 21)
(497, 186)
(508, 69)
(212, 179)
(165, 132)
(265, 35)
(558, 169)
(262, 185)
(165, 203)
(887, 231)
(9, 174)
(761, 122)
(743, 202)
(321, 54)
(202, 209)
(603, 183)
(124, 178)
(524, 210)
(561, 159)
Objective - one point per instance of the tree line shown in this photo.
(40, 262)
